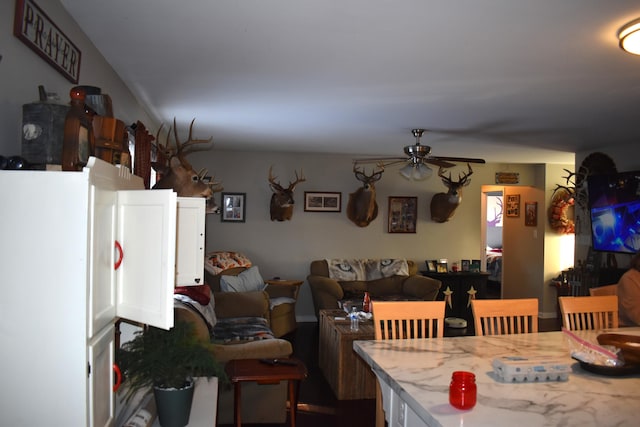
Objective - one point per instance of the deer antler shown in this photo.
(182, 147)
(362, 176)
(298, 180)
(272, 179)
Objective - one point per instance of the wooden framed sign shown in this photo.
(42, 35)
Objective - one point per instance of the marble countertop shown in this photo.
(419, 371)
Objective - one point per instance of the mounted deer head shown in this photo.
(443, 205)
(362, 207)
(178, 174)
(282, 198)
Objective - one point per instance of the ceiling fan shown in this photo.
(416, 159)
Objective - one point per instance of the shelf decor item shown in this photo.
(442, 266)
(167, 361)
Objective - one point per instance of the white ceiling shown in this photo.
(511, 81)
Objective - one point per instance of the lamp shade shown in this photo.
(417, 172)
(629, 37)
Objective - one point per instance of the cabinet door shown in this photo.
(101, 358)
(190, 241)
(102, 235)
(146, 231)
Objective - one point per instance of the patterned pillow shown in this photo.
(247, 281)
(217, 262)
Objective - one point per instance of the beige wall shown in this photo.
(285, 249)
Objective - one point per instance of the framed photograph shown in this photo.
(513, 205)
(443, 266)
(465, 265)
(432, 265)
(474, 267)
(322, 201)
(234, 207)
(403, 213)
(531, 213)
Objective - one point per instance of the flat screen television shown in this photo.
(614, 206)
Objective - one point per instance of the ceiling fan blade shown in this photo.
(439, 162)
(379, 159)
(458, 159)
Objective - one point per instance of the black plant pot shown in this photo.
(174, 405)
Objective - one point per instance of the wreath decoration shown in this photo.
(561, 212)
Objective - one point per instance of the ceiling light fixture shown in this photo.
(416, 171)
(629, 36)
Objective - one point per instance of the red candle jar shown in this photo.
(462, 391)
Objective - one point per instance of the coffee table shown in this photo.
(347, 374)
(255, 370)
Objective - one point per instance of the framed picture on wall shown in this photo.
(531, 214)
(326, 201)
(403, 213)
(513, 205)
(234, 207)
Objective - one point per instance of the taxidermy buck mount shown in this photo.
(443, 205)
(177, 173)
(281, 207)
(362, 207)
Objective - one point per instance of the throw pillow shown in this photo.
(217, 262)
(247, 281)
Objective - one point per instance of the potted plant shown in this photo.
(167, 361)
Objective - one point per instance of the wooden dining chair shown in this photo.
(604, 290)
(505, 316)
(592, 312)
(394, 320)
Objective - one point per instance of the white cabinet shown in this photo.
(62, 293)
(190, 241)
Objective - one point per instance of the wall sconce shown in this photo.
(629, 36)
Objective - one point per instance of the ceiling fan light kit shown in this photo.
(629, 37)
(417, 172)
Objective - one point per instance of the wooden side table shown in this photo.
(294, 283)
(254, 370)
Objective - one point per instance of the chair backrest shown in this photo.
(394, 320)
(604, 290)
(505, 316)
(585, 313)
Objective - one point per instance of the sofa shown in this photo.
(249, 310)
(336, 281)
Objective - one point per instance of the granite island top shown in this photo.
(419, 371)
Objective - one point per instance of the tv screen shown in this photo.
(614, 205)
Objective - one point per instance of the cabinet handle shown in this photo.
(120, 255)
(116, 369)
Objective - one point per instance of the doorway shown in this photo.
(492, 234)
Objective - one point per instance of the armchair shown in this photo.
(327, 291)
(282, 294)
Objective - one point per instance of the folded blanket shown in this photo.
(232, 330)
(206, 311)
(366, 269)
